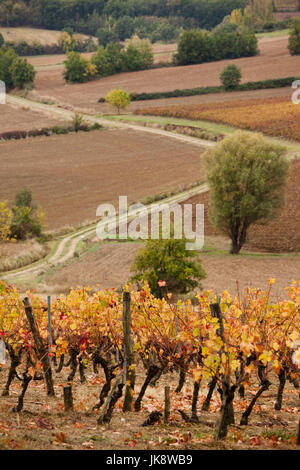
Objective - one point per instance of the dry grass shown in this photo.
(44, 36)
(14, 255)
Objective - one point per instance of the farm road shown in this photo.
(66, 246)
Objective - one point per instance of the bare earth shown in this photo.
(274, 61)
(109, 267)
(70, 175)
(22, 119)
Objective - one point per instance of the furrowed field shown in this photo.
(278, 117)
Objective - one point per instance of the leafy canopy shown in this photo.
(247, 175)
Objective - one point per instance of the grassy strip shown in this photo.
(249, 86)
(213, 127)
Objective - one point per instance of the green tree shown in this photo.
(294, 37)
(7, 57)
(119, 99)
(231, 76)
(247, 175)
(170, 262)
(27, 219)
(105, 36)
(22, 73)
(76, 68)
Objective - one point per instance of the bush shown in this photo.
(27, 219)
(170, 262)
(231, 77)
(1, 40)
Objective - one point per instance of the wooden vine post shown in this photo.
(167, 404)
(129, 366)
(227, 412)
(68, 399)
(41, 350)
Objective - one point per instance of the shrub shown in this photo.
(170, 262)
(27, 219)
(231, 76)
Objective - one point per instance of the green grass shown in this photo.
(213, 127)
(273, 34)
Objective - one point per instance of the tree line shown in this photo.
(88, 16)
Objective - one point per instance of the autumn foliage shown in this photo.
(277, 117)
(251, 335)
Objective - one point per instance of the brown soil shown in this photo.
(109, 267)
(43, 425)
(70, 175)
(22, 119)
(274, 61)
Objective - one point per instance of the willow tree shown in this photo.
(247, 175)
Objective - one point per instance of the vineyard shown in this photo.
(224, 346)
(277, 117)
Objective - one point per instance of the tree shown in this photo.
(7, 57)
(119, 99)
(106, 36)
(1, 40)
(247, 175)
(294, 37)
(22, 73)
(27, 219)
(76, 68)
(168, 261)
(231, 76)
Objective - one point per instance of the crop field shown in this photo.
(274, 61)
(276, 117)
(70, 175)
(23, 119)
(44, 36)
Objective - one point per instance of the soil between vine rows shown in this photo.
(43, 425)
